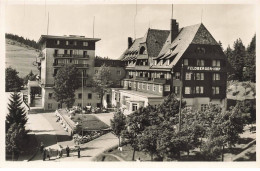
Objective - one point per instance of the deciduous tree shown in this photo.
(118, 124)
(65, 83)
(102, 82)
(13, 83)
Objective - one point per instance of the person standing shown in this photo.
(44, 155)
(41, 147)
(68, 151)
(79, 152)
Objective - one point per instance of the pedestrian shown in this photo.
(41, 147)
(68, 151)
(49, 153)
(44, 155)
(78, 152)
(60, 151)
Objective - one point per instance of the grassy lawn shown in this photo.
(20, 57)
(89, 122)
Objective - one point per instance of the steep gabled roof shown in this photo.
(195, 34)
(154, 40)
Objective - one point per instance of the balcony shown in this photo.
(70, 56)
(55, 65)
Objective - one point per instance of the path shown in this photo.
(44, 132)
(93, 148)
(117, 157)
(48, 131)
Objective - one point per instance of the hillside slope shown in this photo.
(20, 57)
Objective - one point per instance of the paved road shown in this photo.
(48, 131)
(93, 148)
(44, 132)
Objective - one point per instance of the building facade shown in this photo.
(184, 59)
(58, 51)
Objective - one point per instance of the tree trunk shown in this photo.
(101, 100)
(151, 156)
(223, 152)
(133, 157)
(118, 141)
(179, 155)
(188, 153)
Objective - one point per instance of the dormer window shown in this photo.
(155, 62)
(142, 50)
(168, 62)
(161, 62)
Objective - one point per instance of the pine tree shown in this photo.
(250, 62)
(239, 56)
(16, 113)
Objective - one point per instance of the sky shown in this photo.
(115, 23)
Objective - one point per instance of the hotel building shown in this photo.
(184, 59)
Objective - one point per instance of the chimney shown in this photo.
(130, 42)
(174, 30)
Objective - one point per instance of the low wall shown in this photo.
(63, 115)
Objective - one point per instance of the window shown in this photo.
(185, 62)
(49, 106)
(188, 76)
(84, 72)
(139, 85)
(79, 104)
(168, 62)
(80, 95)
(85, 43)
(118, 72)
(187, 90)
(85, 53)
(134, 107)
(50, 95)
(176, 90)
(216, 63)
(177, 75)
(215, 90)
(154, 87)
(199, 90)
(65, 52)
(199, 76)
(84, 82)
(203, 107)
(96, 71)
(56, 51)
(134, 84)
(89, 96)
(57, 42)
(143, 85)
(155, 62)
(126, 83)
(200, 62)
(67, 42)
(167, 88)
(89, 104)
(148, 87)
(216, 76)
(142, 50)
(71, 42)
(168, 76)
(160, 88)
(75, 43)
(130, 84)
(161, 62)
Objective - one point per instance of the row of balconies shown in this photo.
(70, 56)
(77, 65)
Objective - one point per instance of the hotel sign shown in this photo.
(191, 68)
